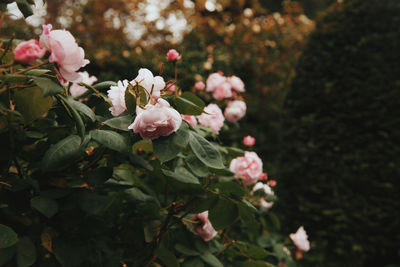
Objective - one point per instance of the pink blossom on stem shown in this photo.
(172, 55)
(272, 183)
(200, 86)
(77, 89)
(28, 52)
(214, 119)
(190, 119)
(205, 230)
(249, 141)
(148, 81)
(249, 167)
(236, 83)
(156, 120)
(64, 51)
(300, 239)
(117, 96)
(235, 110)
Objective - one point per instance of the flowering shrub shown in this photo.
(121, 173)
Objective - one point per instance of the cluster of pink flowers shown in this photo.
(223, 87)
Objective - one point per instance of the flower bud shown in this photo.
(249, 141)
(172, 55)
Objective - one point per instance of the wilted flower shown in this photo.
(249, 167)
(235, 110)
(300, 239)
(27, 52)
(152, 84)
(117, 96)
(77, 89)
(156, 120)
(64, 51)
(214, 119)
(206, 231)
(172, 55)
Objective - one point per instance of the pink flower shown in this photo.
(272, 183)
(172, 55)
(235, 110)
(27, 52)
(214, 119)
(190, 119)
(117, 96)
(300, 240)
(222, 91)
(236, 83)
(64, 51)
(264, 176)
(213, 81)
(206, 231)
(156, 120)
(76, 89)
(171, 88)
(249, 167)
(199, 86)
(152, 84)
(249, 141)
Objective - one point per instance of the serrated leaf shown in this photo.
(211, 259)
(7, 236)
(120, 123)
(168, 147)
(189, 104)
(26, 252)
(82, 108)
(46, 206)
(31, 103)
(60, 154)
(205, 151)
(196, 166)
(111, 139)
(48, 87)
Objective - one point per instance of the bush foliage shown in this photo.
(340, 166)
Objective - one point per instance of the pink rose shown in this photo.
(235, 110)
(300, 240)
(64, 51)
(222, 91)
(236, 83)
(117, 96)
(206, 231)
(172, 55)
(76, 89)
(27, 52)
(152, 84)
(213, 81)
(249, 167)
(199, 86)
(171, 88)
(272, 183)
(249, 141)
(190, 119)
(156, 120)
(214, 119)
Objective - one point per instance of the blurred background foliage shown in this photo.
(332, 174)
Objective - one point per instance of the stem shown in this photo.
(7, 47)
(33, 67)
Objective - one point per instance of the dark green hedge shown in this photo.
(340, 163)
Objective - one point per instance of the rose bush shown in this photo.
(121, 179)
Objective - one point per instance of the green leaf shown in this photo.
(167, 257)
(82, 108)
(189, 104)
(230, 189)
(31, 103)
(104, 85)
(14, 78)
(111, 139)
(45, 205)
(26, 252)
(193, 262)
(62, 153)
(75, 115)
(25, 8)
(6, 254)
(48, 86)
(139, 161)
(182, 175)
(229, 211)
(211, 259)
(130, 101)
(137, 194)
(120, 123)
(250, 250)
(36, 72)
(185, 250)
(151, 230)
(205, 151)
(196, 166)
(168, 147)
(94, 204)
(7, 236)
(142, 145)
